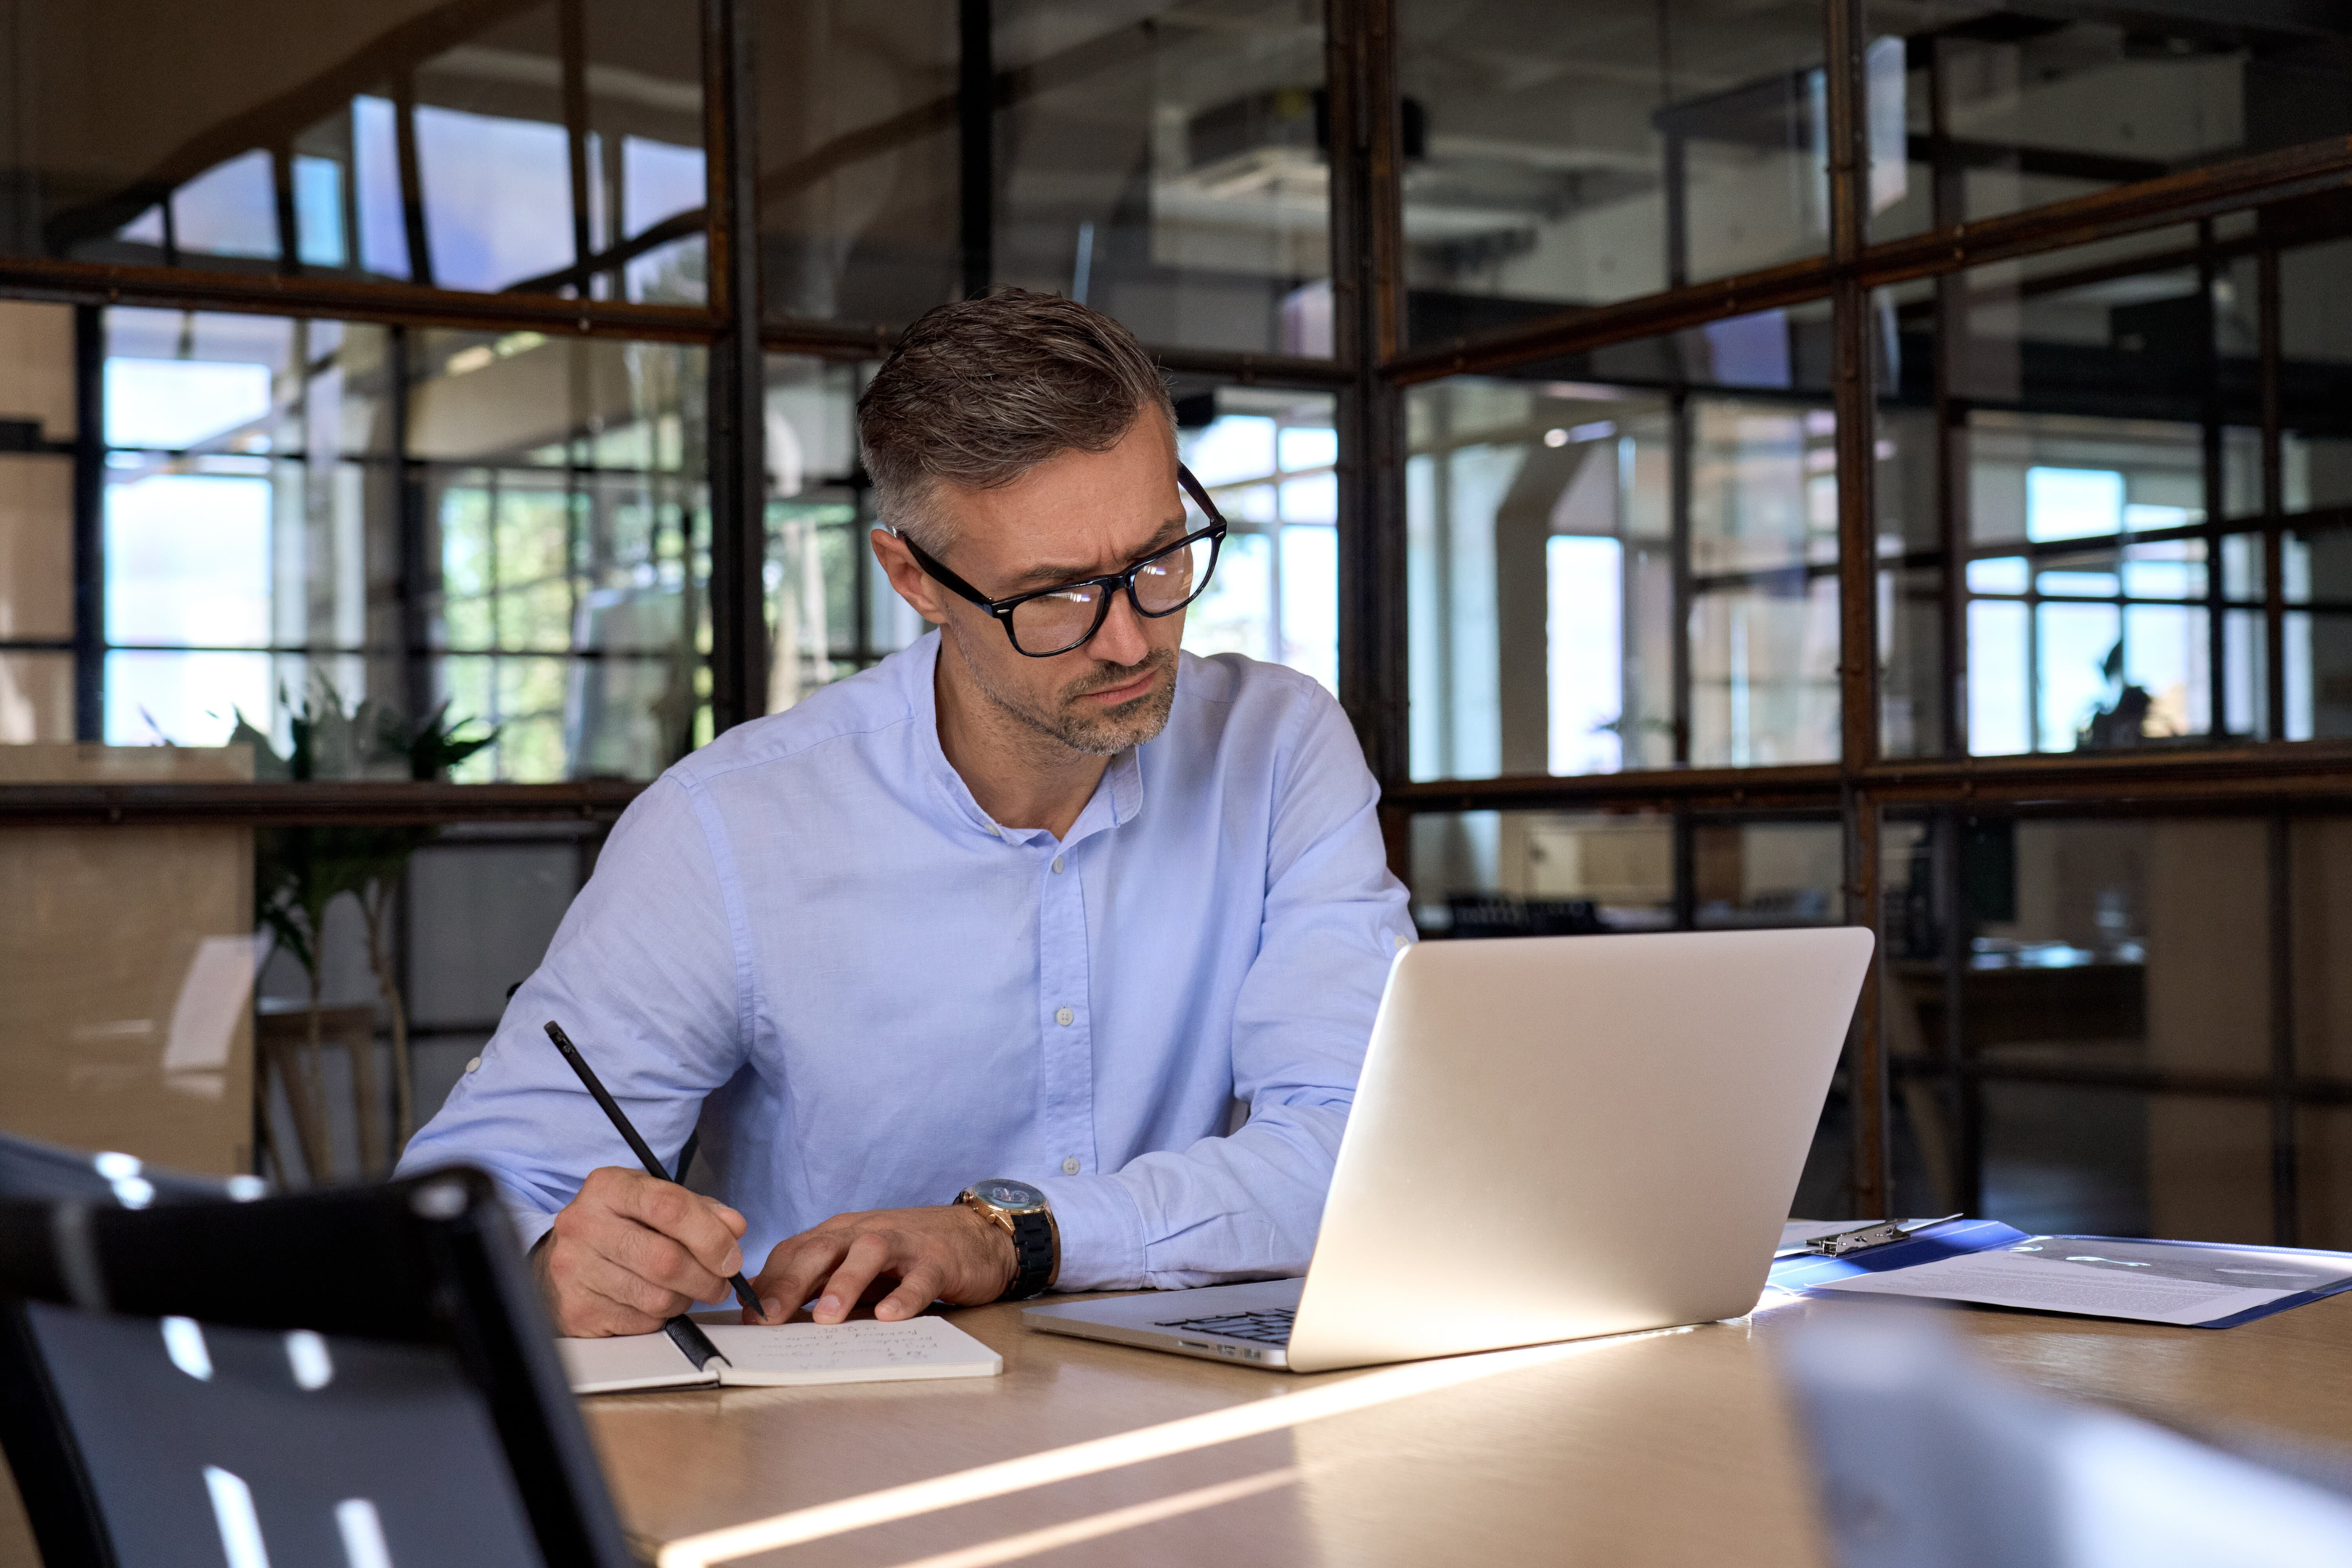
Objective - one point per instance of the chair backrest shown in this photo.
(359, 1376)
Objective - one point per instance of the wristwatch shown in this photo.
(1028, 1219)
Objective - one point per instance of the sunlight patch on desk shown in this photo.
(1095, 1526)
(1205, 1430)
(1774, 1297)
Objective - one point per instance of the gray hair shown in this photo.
(980, 391)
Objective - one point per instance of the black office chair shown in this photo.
(360, 1376)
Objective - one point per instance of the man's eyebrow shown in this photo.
(1048, 574)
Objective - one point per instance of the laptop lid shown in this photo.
(1555, 1137)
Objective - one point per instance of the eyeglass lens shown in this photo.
(1059, 621)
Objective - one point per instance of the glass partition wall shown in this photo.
(1737, 464)
(1878, 467)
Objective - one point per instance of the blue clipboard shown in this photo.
(1957, 1237)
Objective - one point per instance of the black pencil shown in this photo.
(644, 1154)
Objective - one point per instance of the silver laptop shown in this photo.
(1553, 1137)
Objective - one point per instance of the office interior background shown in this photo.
(1738, 462)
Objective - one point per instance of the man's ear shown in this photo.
(912, 583)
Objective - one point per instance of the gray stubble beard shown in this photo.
(1102, 736)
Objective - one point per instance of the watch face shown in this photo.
(1009, 1194)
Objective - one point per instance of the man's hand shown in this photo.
(630, 1253)
(946, 1253)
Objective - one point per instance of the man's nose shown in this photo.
(1122, 639)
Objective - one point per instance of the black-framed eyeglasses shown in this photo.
(1048, 621)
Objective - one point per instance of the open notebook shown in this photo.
(780, 1355)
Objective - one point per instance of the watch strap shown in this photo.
(1033, 1253)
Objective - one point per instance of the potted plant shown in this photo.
(300, 871)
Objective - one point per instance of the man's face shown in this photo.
(1077, 515)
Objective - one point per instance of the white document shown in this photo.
(2097, 1288)
(781, 1355)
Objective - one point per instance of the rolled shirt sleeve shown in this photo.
(643, 975)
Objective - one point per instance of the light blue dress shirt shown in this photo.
(810, 936)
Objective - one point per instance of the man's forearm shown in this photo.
(1247, 1205)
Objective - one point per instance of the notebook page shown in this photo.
(629, 1361)
(786, 1354)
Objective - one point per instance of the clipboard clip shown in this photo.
(1868, 1235)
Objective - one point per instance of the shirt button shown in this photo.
(1400, 943)
(1070, 1166)
(1057, 865)
(1065, 1017)
(995, 831)
(474, 1066)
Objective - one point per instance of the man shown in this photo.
(1038, 898)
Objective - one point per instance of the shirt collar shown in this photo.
(1120, 791)
(919, 668)
(1125, 777)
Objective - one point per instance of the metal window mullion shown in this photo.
(89, 524)
(290, 223)
(2266, 263)
(976, 143)
(1848, 157)
(861, 579)
(412, 181)
(1365, 153)
(2285, 1206)
(2205, 1086)
(1681, 604)
(494, 499)
(1964, 1099)
(572, 33)
(735, 450)
(1953, 493)
(2216, 499)
(416, 574)
(1685, 830)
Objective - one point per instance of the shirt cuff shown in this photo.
(530, 1226)
(1102, 1233)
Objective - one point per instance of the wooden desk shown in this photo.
(1672, 1448)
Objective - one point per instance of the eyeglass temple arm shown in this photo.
(1192, 488)
(944, 577)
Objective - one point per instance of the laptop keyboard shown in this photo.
(1271, 1327)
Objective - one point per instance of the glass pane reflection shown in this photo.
(1537, 873)
(1547, 571)
(1504, 873)
(530, 564)
(2003, 106)
(1266, 459)
(1164, 164)
(372, 146)
(1159, 163)
(2098, 446)
(2090, 948)
(1580, 156)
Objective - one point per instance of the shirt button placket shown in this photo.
(1067, 1067)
